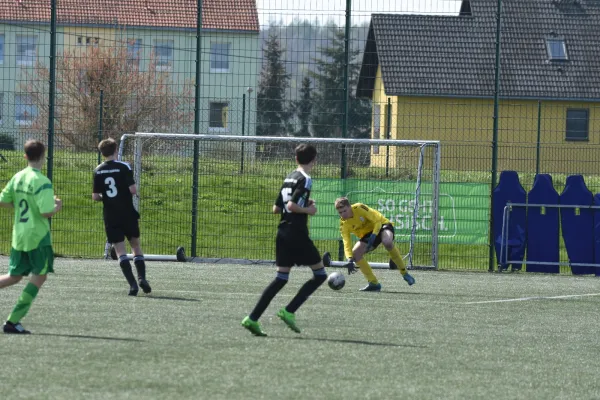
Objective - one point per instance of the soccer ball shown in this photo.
(336, 280)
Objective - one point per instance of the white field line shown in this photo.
(568, 296)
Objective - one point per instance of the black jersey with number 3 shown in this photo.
(296, 187)
(112, 179)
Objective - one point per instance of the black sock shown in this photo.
(126, 268)
(269, 293)
(306, 290)
(140, 266)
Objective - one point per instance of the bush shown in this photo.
(7, 142)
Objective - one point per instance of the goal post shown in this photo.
(221, 206)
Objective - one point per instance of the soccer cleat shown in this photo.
(289, 319)
(17, 328)
(253, 326)
(145, 286)
(133, 291)
(409, 279)
(372, 287)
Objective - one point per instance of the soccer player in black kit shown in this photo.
(114, 186)
(293, 245)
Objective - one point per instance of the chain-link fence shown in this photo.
(503, 84)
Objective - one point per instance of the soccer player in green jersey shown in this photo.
(30, 193)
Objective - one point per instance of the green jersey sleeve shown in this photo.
(8, 193)
(44, 198)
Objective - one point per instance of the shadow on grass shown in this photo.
(355, 341)
(170, 298)
(88, 337)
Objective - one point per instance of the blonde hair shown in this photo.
(342, 202)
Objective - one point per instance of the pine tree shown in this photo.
(329, 92)
(273, 115)
(303, 108)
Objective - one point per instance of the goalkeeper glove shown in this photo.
(350, 266)
(371, 242)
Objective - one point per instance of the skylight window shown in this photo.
(556, 49)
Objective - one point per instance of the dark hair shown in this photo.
(107, 147)
(34, 149)
(305, 153)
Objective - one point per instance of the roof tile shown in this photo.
(217, 14)
(455, 56)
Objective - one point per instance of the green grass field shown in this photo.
(452, 335)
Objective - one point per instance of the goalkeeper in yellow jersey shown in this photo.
(372, 228)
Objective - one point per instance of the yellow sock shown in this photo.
(365, 268)
(397, 259)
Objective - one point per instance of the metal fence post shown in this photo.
(495, 135)
(100, 118)
(196, 161)
(52, 89)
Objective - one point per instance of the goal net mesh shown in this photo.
(214, 194)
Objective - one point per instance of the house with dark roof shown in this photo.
(433, 77)
(162, 31)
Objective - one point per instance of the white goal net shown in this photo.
(213, 194)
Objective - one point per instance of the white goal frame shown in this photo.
(422, 144)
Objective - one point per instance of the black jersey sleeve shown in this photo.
(129, 176)
(302, 192)
(98, 188)
(279, 200)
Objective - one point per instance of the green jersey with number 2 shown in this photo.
(32, 195)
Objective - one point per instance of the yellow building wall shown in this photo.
(465, 129)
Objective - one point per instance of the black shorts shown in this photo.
(117, 231)
(386, 227)
(294, 248)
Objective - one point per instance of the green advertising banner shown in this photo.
(463, 208)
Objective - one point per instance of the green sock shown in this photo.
(23, 304)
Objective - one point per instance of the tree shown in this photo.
(273, 114)
(329, 92)
(133, 99)
(303, 108)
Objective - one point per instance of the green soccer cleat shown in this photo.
(253, 326)
(289, 319)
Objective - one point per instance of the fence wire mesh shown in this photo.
(503, 84)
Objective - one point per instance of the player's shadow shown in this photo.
(362, 342)
(170, 298)
(89, 337)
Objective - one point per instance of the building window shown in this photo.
(163, 51)
(25, 111)
(376, 125)
(88, 41)
(26, 52)
(557, 50)
(218, 117)
(219, 57)
(577, 124)
(1, 49)
(134, 47)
